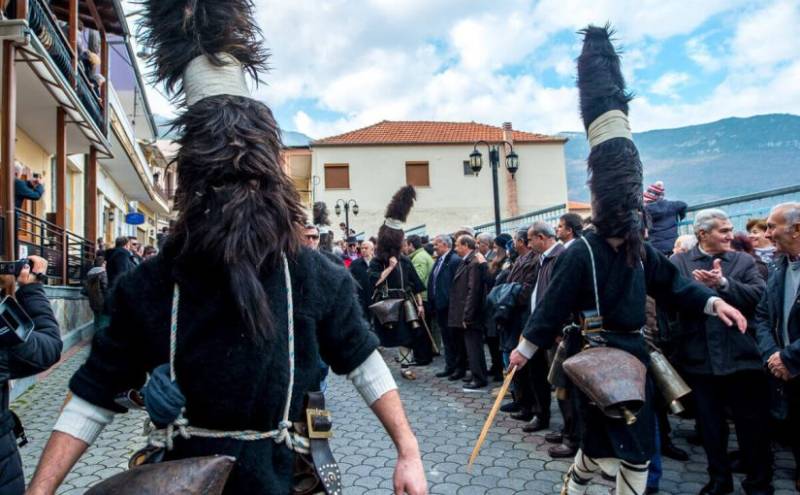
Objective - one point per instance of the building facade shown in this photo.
(370, 164)
(74, 118)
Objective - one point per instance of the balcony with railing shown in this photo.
(69, 256)
(42, 23)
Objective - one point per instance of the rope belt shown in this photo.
(163, 438)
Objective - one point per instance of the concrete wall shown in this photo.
(452, 199)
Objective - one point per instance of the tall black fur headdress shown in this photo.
(615, 170)
(179, 31)
(239, 212)
(321, 215)
(391, 234)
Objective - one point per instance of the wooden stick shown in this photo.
(490, 419)
(430, 335)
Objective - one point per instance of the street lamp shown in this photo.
(512, 165)
(341, 203)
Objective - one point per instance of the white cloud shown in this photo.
(698, 50)
(669, 83)
(363, 61)
(733, 97)
(766, 37)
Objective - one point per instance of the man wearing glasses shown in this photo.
(311, 237)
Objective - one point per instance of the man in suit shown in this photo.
(534, 388)
(722, 364)
(777, 319)
(358, 269)
(441, 278)
(466, 313)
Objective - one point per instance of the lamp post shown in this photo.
(315, 180)
(346, 204)
(512, 165)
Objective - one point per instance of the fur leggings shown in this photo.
(631, 478)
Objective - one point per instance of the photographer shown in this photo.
(26, 189)
(41, 350)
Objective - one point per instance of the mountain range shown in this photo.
(708, 161)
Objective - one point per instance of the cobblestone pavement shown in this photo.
(446, 420)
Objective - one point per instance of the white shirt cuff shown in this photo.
(372, 378)
(526, 348)
(709, 309)
(83, 420)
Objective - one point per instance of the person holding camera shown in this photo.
(26, 189)
(21, 357)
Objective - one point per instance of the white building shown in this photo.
(370, 164)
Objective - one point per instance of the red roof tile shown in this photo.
(426, 132)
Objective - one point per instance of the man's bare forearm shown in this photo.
(389, 410)
(60, 454)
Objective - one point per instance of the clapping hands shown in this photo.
(710, 278)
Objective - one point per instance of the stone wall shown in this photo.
(76, 320)
(73, 313)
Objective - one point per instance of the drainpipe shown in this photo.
(512, 202)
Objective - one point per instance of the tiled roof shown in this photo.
(427, 132)
(578, 205)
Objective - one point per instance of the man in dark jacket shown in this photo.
(439, 283)
(721, 364)
(542, 241)
(665, 216)
(466, 316)
(96, 287)
(119, 260)
(39, 352)
(26, 189)
(358, 269)
(524, 272)
(777, 319)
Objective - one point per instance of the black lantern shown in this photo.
(512, 165)
(355, 209)
(512, 162)
(337, 209)
(475, 161)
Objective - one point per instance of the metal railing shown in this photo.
(89, 98)
(740, 209)
(69, 256)
(419, 230)
(509, 225)
(41, 22)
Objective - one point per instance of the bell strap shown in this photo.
(180, 427)
(594, 276)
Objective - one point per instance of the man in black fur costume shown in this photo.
(392, 274)
(245, 309)
(323, 224)
(626, 271)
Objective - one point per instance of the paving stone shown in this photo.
(445, 420)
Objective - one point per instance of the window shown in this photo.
(337, 176)
(417, 174)
(467, 169)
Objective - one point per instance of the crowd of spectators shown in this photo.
(480, 290)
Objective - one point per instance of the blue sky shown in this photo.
(343, 64)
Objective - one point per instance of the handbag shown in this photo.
(388, 310)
